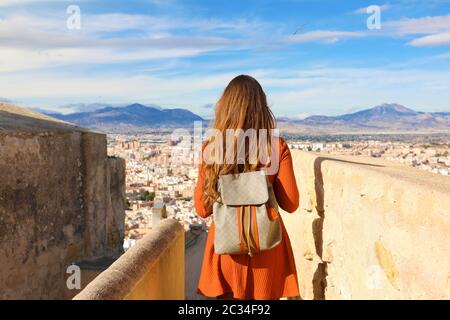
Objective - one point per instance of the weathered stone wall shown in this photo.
(115, 222)
(369, 229)
(61, 200)
(104, 197)
(153, 269)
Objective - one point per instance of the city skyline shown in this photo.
(312, 57)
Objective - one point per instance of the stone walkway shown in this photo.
(193, 264)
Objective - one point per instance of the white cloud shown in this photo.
(363, 10)
(93, 23)
(51, 32)
(21, 60)
(435, 28)
(29, 42)
(424, 25)
(323, 36)
(432, 40)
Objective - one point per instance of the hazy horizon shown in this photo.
(91, 107)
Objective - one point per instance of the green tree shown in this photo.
(147, 196)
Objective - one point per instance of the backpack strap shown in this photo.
(248, 216)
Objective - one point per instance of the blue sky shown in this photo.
(311, 56)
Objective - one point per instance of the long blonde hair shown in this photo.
(243, 105)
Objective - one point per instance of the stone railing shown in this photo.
(369, 229)
(152, 269)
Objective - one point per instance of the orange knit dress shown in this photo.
(268, 275)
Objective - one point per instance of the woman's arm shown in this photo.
(198, 194)
(285, 186)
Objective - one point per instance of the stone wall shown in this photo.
(103, 197)
(153, 269)
(369, 229)
(61, 201)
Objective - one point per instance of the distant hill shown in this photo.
(385, 117)
(132, 116)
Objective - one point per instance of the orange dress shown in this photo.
(269, 274)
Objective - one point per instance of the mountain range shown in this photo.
(382, 118)
(386, 117)
(132, 116)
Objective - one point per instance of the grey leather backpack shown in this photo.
(243, 215)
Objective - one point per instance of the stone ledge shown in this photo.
(121, 278)
(388, 168)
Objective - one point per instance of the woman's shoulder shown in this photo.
(282, 144)
(283, 148)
